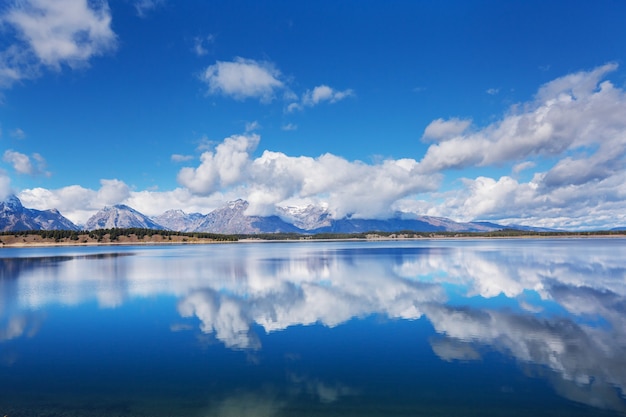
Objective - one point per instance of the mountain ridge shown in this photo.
(15, 217)
(231, 218)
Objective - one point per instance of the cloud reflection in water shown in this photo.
(572, 327)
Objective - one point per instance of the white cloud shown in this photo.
(63, 31)
(289, 127)
(596, 204)
(222, 168)
(568, 113)
(181, 158)
(493, 91)
(243, 78)
(78, 203)
(23, 164)
(573, 129)
(575, 125)
(18, 133)
(75, 202)
(20, 162)
(201, 44)
(111, 192)
(143, 7)
(324, 93)
(5, 185)
(319, 94)
(349, 187)
(153, 203)
(52, 34)
(252, 126)
(293, 107)
(440, 129)
(523, 166)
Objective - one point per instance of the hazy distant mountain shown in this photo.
(231, 219)
(14, 216)
(419, 224)
(306, 218)
(179, 220)
(120, 216)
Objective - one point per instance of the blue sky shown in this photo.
(510, 111)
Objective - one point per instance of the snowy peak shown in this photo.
(12, 203)
(120, 216)
(178, 220)
(306, 217)
(231, 219)
(15, 217)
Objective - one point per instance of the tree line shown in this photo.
(115, 233)
(141, 233)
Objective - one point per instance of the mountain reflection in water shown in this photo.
(557, 308)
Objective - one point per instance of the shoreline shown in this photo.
(35, 241)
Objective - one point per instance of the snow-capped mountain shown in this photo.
(306, 218)
(120, 216)
(15, 217)
(179, 220)
(231, 219)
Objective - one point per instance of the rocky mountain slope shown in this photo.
(232, 219)
(14, 216)
(120, 216)
(179, 220)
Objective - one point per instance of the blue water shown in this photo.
(410, 328)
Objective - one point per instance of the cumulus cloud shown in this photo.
(523, 166)
(75, 202)
(568, 113)
(25, 165)
(350, 187)
(78, 203)
(52, 34)
(112, 192)
(243, 78)
(440, 129)
(223, 167)
(573, 126)
(572, 134)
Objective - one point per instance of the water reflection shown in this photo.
(557, 307)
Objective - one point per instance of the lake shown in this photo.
(442, 327)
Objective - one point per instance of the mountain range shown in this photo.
(231, 219)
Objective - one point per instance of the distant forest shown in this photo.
(115, 233)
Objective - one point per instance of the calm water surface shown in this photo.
(418, 328)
